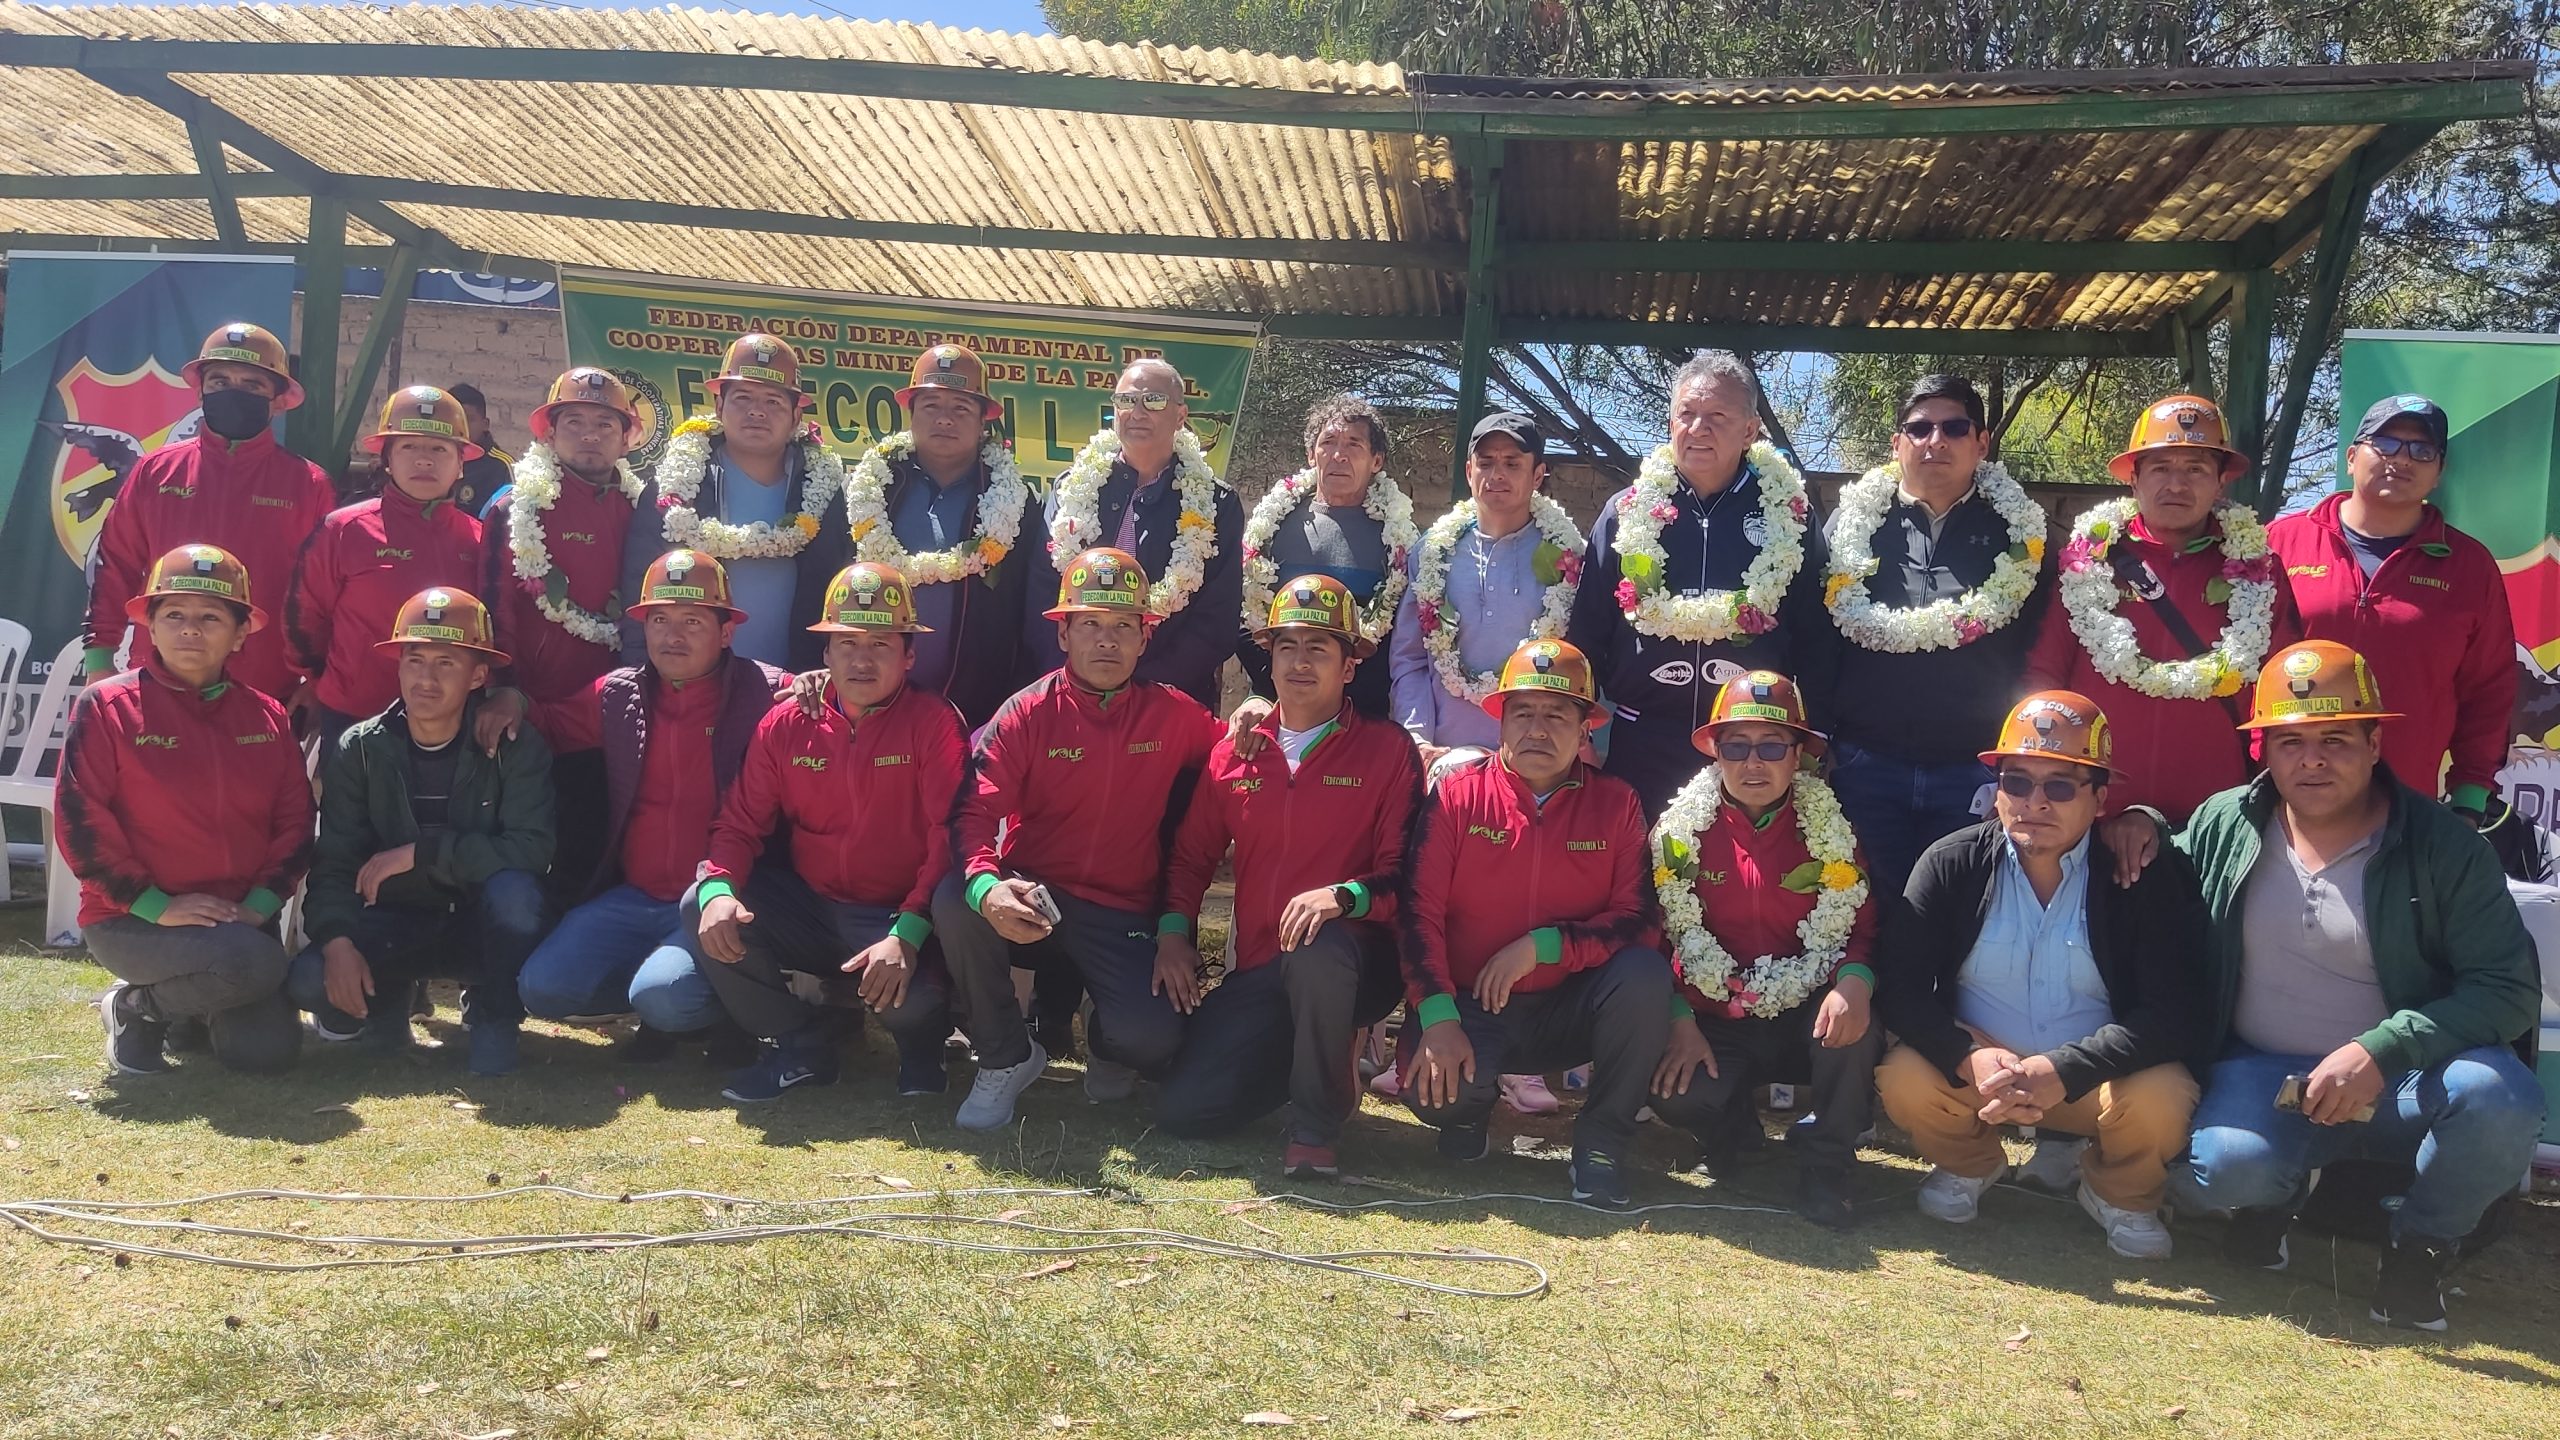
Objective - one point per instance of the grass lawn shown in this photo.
(1681, 1322)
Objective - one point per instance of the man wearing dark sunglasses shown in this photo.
(2025, 992)
(1939, 593)
(2377, 569)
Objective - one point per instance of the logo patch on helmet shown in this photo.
(2302, 664)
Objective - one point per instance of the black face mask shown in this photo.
(235, 415)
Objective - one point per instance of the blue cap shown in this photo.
(2415, 407)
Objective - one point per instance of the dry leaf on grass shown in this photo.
(738, 1384)
(695, 1140)
(1061, 1422)
(8, 1142)
(469, 1106)
(428, 1388)
(341, 1108)
(598, 1354)
(895, 1183)
(1054, 1267)
(491, 1435)
(2174, 1412)
(1006, 1215)
(1133, 1281)
(1905, 1392)
(2018, 1341)
(1270, 1417)
(1239, 1207)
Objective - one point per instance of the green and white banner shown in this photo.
(1052, 370)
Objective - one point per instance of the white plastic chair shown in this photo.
(30, 783)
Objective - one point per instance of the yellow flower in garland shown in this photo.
(806, 524)
(2227, 681)
(1831, 588)
(865, 528)
(991, 551)
(1194, 520)
(2035, 550)
(1662, 876)
(1839, 875)
(698, 425)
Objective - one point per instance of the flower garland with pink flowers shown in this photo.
(1557, 564)
(1646, 598)
(2246, 587)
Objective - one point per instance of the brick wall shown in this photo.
(512, 355)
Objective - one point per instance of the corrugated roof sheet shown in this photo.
(930, 162)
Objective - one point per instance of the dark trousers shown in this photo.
(1615, 1018)
(231, 976)
(1751, 1052)
(1112, 951)
(482, 941)
(798, 929)
(1283, 1032)
(578, 790)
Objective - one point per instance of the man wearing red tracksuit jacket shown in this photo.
(1529, 930)
(1317, 815)
(2172, 583)
(552, 561)
(232, 486)
(182, 807)
(1775, 875)
(1061, 838)
(367, 559)
(2378, 570)
(862, 789)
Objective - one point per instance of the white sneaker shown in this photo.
(2055, 1167)
(1954, 1198)
(2133, 1234)
(1529, 1095)
(1108, 1082)
(991, 1095)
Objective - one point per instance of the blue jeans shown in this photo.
(607, 952)
(1900, 809)
(2469, 1124)
(482, 941)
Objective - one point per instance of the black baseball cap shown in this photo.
(2416, 407)
(1521, 430)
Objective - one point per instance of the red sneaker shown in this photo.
(1309, 1162)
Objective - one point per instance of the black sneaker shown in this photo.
(781, 1068)
(1465, 1142)
(2256, 1238)
(925, 1072)
(2409, 1294)
(728, 1047)
(134, 1040)
(189, 1035)
(646, 1046)
(1822, 1198)
(1597, 1180)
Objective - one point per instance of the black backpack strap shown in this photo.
(2129, 570)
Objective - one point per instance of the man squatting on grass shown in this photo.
(2328, 917)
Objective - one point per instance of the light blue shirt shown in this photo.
(765, 589)
(1494, 596)
(2031, 982)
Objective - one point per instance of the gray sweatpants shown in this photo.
(231, 976)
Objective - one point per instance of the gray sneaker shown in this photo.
(2055, 1167)
(1108, 1082)
(991, 1095)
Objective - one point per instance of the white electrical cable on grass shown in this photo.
(878, 1225)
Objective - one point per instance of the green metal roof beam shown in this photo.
(1873, 257)
(2472, 91)
(214, 168)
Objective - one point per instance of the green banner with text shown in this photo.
(1052, 370)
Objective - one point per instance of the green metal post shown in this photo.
(2194, 344)
(324, 272)
(2350, 189)
(398, 279)
(2244, 397)
(216, 170)
(1482, 162)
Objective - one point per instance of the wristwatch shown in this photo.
(1343, 897)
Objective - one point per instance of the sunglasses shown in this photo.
(2061, 790)
(1148, 400)
(2425, 452)
(1741, 750)
(1954, 429)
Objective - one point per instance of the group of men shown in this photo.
(1698, 802)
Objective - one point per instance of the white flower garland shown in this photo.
(1940, 624)
(679, 478)
(1771, 985)
(999, 515)
(1385, 503)
(1559, 550)
(2247, 587)
(537, 489)
(1077, 527)
(1652, 607)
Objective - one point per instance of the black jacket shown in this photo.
(1190, 647)
(989, 661)
(2148, 943)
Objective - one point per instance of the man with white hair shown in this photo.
(1709, 566)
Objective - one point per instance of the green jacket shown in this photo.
(501, 819)
(2452, 955)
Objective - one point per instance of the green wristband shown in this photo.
(97, 659)
(710, 890)
(979, 885)
(2474, 798)
(1858, 969)
(1550, 943)
(151, 904)
(263, 903)
(1173, 922)
(1359, 899)
(912, 928)
(1680, 1009)
(1434, 1009)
